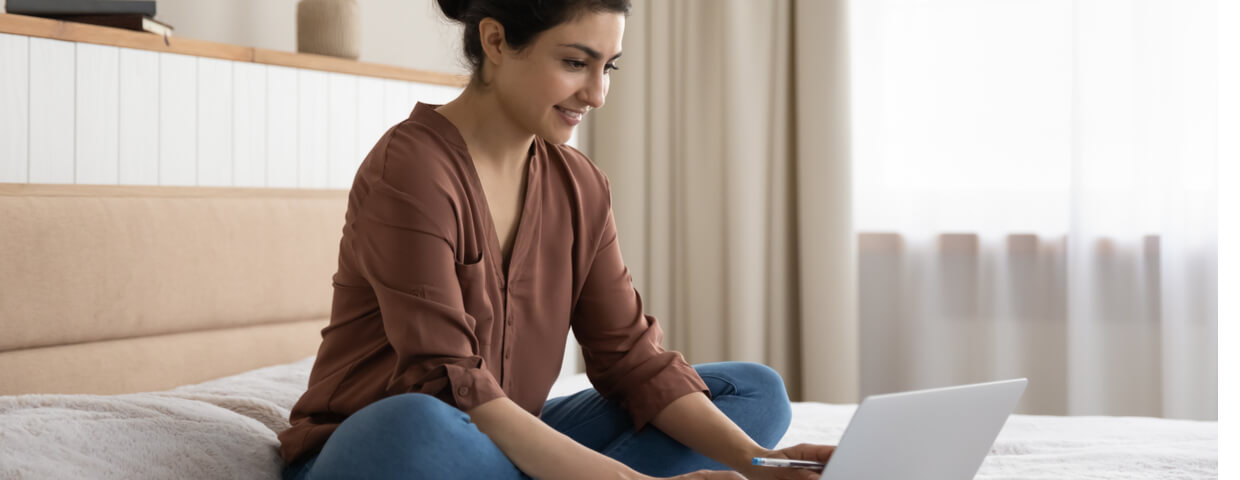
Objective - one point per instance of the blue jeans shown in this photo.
(418, 436)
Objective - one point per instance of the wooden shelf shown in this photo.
(85, 33)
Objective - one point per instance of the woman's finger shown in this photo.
(806, 451)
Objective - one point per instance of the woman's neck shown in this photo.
(493, 138)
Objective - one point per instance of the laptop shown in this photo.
(936, 434)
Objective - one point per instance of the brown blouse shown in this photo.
(421, 303)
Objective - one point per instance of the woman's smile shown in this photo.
(570, 116)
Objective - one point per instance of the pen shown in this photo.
(783, 462)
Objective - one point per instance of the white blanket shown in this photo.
(1044, 447)
(1051, 447)
(226, 429)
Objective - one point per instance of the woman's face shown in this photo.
(549, 85)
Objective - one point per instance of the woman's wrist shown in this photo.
(743, 459)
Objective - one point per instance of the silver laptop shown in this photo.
(936, 434)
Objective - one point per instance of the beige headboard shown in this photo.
(114, 289)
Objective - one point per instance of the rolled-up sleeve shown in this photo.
(621, 344)
(404, 254)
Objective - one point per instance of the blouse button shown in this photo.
(463, 391)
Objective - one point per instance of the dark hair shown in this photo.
(523, 20)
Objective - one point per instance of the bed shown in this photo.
(165, 332)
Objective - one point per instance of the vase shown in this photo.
(329, 27)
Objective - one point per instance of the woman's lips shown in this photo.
(572, 118)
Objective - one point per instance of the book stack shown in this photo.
(128, 14)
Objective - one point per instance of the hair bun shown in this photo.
(453, 8)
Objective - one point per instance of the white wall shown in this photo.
(93, 114)
(407, 33)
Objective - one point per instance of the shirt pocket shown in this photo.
(476, 298)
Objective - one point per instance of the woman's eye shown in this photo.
(575, 64)
(610, 67)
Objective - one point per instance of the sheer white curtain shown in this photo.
(1035, 191)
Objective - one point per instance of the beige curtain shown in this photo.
(725, 139)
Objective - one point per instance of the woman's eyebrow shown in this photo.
(590, 51)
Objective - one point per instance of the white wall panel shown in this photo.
(281, 127)
(98, 110)
(178, 119)
(437, 94)
(342, 157)
(105, 115)
(396, 103)
(138, 127)
(51, 110)
(249, 124)
(447, 94)
(312, 129)
(215, 91)
(14, 111)
(420, 92)
(371, 122)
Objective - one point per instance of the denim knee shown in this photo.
(751, 379)
(418, 412)
(761, 386)
(406, 434)
(409, 420)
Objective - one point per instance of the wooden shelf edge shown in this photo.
(341, 65)
(164, 191)
(84, 33)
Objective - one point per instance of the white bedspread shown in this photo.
(1049, 447)
(1044, 447)
(226, 429)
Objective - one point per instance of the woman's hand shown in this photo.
(804, 451)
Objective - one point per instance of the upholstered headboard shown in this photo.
(115, 289)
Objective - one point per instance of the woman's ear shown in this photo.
(491, 32)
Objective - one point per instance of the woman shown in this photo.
(473, 240)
